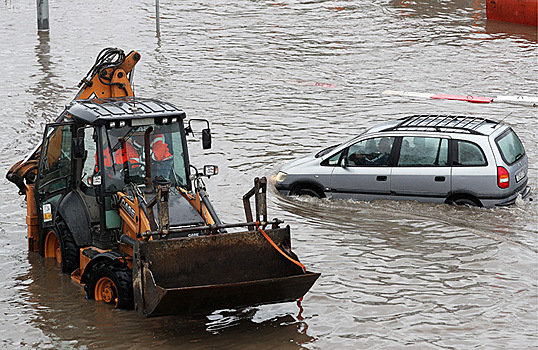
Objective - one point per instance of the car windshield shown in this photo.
(124, 155)
(510, 147)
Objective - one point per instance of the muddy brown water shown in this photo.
(278, 79)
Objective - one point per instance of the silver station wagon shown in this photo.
(431, 158)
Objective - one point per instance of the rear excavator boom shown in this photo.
(112, 196)
(109, 77)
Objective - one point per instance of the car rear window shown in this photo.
(469, 154)
(510, 147)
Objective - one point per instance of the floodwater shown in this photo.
(278, 79)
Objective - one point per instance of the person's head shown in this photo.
(384, 144)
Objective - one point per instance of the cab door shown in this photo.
(55, 175)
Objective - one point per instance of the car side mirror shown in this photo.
(343, 162)
(79, 151)
(206, 138)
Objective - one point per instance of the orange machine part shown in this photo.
(135, 226)
(96, 89)
(31, 220)
(105, 290)
(52, 247)
(197, 203)
(513, 11)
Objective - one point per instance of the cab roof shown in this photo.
(102, 111)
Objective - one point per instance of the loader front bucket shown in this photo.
(196, 275)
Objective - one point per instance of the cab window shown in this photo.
(55, 166)
(124, 155)
(90, 167)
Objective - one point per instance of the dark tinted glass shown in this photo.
(510, 147)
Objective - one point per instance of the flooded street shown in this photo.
(278, 79)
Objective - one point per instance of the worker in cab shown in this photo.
(128, 160)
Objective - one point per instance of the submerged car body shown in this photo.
(429, 158)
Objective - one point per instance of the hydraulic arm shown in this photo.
(110, 76)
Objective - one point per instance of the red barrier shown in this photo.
(513, 11)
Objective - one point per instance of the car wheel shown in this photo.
(465, 201)
(305, 191)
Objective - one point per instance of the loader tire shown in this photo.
(70, 250)
(111, 283)
(58, 243)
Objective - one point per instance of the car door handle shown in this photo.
(381, 178)
(440, 179)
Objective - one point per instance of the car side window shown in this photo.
(370, 152)
(333, 161)
(423, 151)
(469, 154)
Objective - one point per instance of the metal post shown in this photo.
(157, 18)
(43, 14)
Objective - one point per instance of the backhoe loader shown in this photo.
(112, 196)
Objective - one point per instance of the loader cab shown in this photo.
(99, 149)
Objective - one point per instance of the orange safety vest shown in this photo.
(128, 153)
(159, 149)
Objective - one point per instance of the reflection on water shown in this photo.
(61, 309)
(504, 30)
(278, 80)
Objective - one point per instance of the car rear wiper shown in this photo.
(518, 156)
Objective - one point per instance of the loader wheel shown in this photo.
(60, 245)
(52, 247)
(111, 284)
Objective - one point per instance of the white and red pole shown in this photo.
(521, 100)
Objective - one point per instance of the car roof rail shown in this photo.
(442, 123)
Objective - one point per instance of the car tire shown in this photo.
(305, 191)
(465, 201)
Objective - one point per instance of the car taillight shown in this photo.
(503, 178)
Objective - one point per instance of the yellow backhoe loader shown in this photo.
(112, 196)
